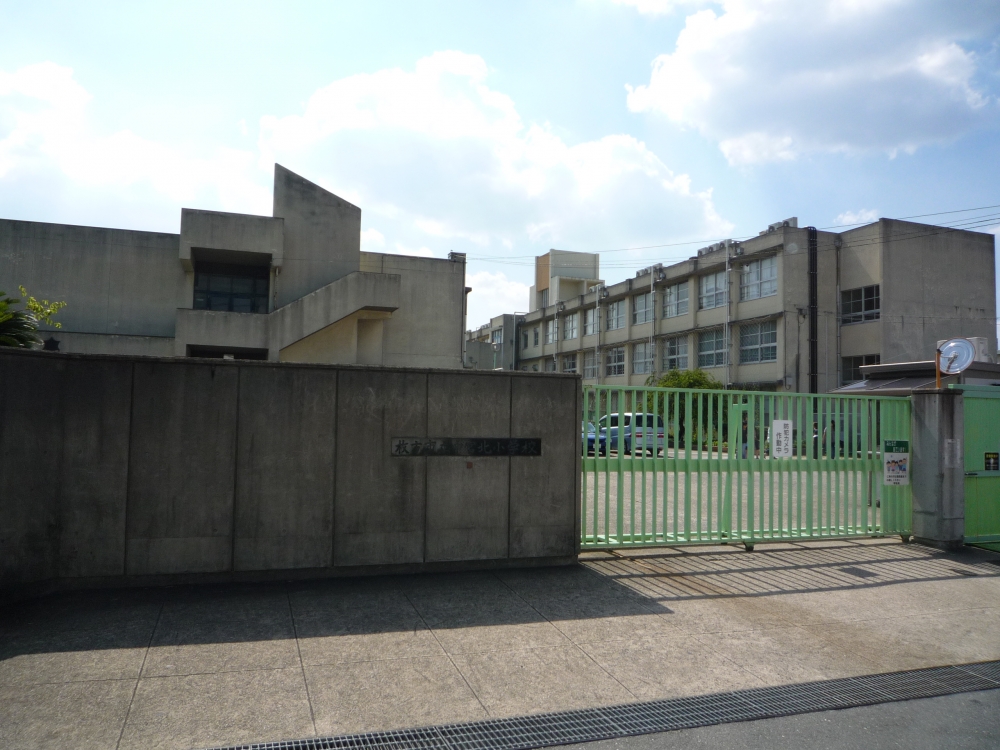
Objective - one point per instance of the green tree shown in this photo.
(685, 379)
(676, 405)
(19, 327)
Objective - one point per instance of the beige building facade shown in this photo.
(293, 286)
(792, 309)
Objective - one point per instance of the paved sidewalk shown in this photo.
(190, 667)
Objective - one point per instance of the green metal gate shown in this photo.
(982, 464)
(665, 466)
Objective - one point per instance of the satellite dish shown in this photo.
(956, 356)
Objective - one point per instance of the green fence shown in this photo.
(666, 466)
(982, 463)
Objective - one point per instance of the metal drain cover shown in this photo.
(588, 725)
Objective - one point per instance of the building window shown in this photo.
(851, 367)
(614, 361)
(550, 365)
(590, 322)
(759, 342)
(675, 353)
(550, 331)
(590, 365)
(712, 290)
(534, 368)
(675, 300)
(524, 338)
(712, 348)
(759, 278)
(496, 337)
(543, 298)
(569, 327)
(616, 315)
(569, 363)
(231, 288)
(860, 305)
(642, 358)
(642, 308)
(536, 336)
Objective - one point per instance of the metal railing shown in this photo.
(666, 466)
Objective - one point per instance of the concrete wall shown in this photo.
(938, 473)
(114, 281)
(131, 470)
(428, 327)
(938, 284)
(322, 236)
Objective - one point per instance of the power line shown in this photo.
(742, 238)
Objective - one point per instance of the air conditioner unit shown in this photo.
(982, 345)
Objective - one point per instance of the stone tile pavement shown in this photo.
(197, 666)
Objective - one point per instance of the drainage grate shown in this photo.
(588, 725)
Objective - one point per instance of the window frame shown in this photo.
(868, 303)
(614, 361)
(616, 316)
(674, 304)
(590, 364)
(569, 362)
(677, 343)
(755, 283)
(856, 366)
(569, 327)
(589, 321)
(550, 331)
(718, 355)
(210, 277)
(718, 297)
(642, 308)
(643, 366)
(754, 347)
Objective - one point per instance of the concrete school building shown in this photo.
(792, 309)
(290, 287)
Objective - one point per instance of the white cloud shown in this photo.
(445, 162)
(436, 159)
(45, 127)
(864, 216)
(493, 293)
(371, 240)
(769, 80)
(658, 7)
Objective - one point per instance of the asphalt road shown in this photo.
(969, 721)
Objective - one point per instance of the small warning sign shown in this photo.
(992, 462)
(896, 460)
(781, 438)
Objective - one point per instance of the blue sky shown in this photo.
(504, 129)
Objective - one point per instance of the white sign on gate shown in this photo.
(781, 438)
(896, 462)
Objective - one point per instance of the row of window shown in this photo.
(757, 280)
(711, 353)
(758, 343)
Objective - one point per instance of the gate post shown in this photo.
(938, 468)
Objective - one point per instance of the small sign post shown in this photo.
(781, 438)
(896, 462)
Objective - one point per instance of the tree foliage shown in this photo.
(675, 408)
(685, 379)
(19, 327)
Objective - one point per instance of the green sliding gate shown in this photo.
(982, 464)
(665, 466)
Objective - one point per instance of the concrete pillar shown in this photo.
(938, 472)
